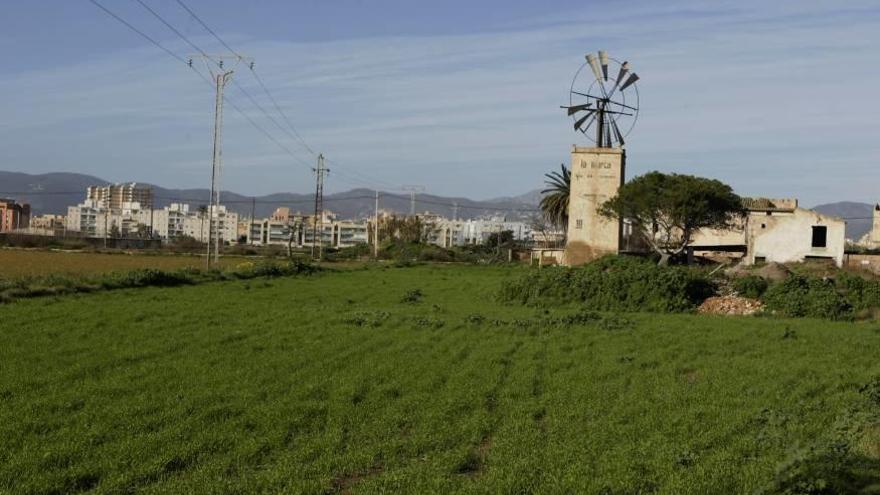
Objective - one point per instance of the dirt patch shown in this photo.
(871, 441)
(474, 463)
(690, 376)
(771, 271)
(730, 305)
(343, 484)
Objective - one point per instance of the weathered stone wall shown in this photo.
(596, 176)
(867, 262)
(786, 237)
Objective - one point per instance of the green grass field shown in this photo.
(350, 382)
(36, 262)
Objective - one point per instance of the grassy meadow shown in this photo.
(417, 380)
(37, 262)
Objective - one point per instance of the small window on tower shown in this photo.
(579, 224)
(820, 236)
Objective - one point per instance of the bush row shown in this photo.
(614, 283)
(634, 284)
(842, 297)
(11, 289)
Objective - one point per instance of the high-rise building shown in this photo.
(117, 196)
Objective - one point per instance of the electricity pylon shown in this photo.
(412, 196)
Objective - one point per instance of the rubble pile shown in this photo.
(730, 305)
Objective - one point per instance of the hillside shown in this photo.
(54, 192)
(857, 216)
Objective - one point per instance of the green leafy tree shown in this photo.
(506, 239)
(668, 208)
(406, 229)
(554, 203)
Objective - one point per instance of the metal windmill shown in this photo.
(604, 108)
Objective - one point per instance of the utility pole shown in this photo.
(318, 236)
(376, 229)
(221, 79)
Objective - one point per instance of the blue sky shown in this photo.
(775, 98)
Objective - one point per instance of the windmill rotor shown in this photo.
(604, 107)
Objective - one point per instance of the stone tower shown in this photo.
(596, 176)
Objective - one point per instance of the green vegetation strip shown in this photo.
(417, 380)
(55, 285)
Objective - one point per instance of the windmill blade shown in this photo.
(577, 124)
(622, 73)
(585, 128)
(629, 81)
(617, 132)
(594, 64)
(577, 108)
(603, 59)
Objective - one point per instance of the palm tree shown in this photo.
(554, 204)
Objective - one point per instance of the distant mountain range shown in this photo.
(857, 215)
(54, 192)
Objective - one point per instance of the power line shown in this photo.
(256, 76)
(240, 88)
(138, 31)
(172, 28)
(292, 133)
(278, 109)
(200, 21)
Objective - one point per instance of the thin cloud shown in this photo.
(753, 96)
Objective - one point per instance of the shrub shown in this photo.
(614, 283)
(751, 286)
(145, 277)
(367, 318)
(360, 250)
(801, 295)
(862, 294)
(273, 269)
(412, 296)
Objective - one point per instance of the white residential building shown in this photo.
(281, 225)
(478, 231)
(176, 220)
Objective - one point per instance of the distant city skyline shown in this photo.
(775, 99)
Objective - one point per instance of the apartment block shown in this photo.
(14, 216)
(114, 196)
